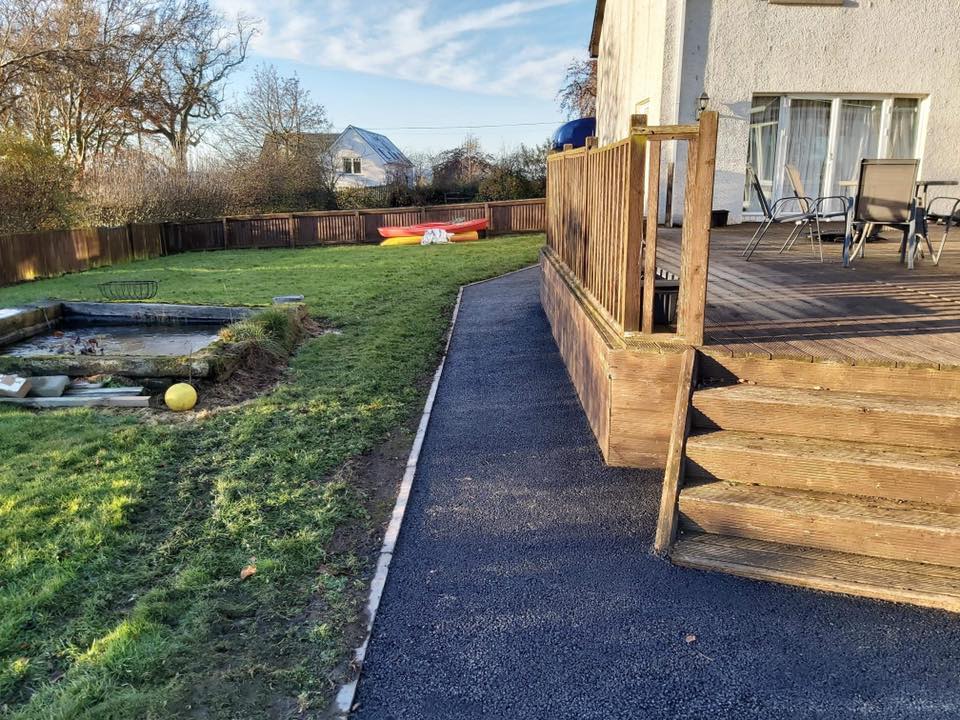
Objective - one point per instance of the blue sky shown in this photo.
(391, 64)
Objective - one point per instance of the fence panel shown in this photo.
(146, 240)
(28, 256)
(270, 231)
(454, 213)
(203, 235)
(373, 219)
(327, 228)
(513, 216)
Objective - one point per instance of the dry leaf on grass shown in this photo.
(248, 571)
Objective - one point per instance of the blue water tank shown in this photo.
(574, 133)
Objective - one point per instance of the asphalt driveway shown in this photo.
(523, 584)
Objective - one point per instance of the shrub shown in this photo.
(273, 332)
(35, 186)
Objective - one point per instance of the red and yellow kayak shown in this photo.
(453, 228)
(415, 239)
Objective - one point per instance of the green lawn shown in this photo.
(122, 539)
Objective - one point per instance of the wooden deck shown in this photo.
(791, 306)
(807, 415)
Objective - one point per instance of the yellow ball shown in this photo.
(180, 397)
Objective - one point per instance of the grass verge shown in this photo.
(123, 540)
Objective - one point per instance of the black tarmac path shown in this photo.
(523, 584)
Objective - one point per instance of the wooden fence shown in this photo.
(346, 227)
(596, 225)
(29, 256)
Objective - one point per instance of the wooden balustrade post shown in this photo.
(359, 227)
(630, 277)
(648, 296)
(290, 231)
(695, 250)
(489, 218)
(585, 217)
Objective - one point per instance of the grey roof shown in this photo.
(382, 145)
(319, 142)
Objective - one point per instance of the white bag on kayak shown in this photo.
(435, 236)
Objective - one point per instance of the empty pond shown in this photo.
(125, 339)
(77, 336)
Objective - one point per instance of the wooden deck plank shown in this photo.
(806, 322)
(792, 306)
(877, 527)
(891, 580)
(834, 466)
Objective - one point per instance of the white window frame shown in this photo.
(886, 113)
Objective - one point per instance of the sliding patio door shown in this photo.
(808, 141)
(857, 137)
(762, 148)
(825, 138)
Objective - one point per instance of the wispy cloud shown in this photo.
(493, 49)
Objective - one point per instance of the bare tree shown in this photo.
(75, 67)
(578, 94)
(277, 112)
(90, 97)
(25, 45)
(184, 86)
(275, 140)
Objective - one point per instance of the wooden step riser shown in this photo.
(827, 422)
(888, 539)
(756, 467)
(916, 382)
(819, 570)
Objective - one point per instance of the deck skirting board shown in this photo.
(627, 393)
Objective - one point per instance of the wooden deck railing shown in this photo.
(597, 228)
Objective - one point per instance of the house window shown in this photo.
(351, 166)
(825, 138)
(762, 147)
(904, 128)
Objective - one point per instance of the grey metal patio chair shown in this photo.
(940, 211)
(886, 195)
(824, 208)
(778, 213)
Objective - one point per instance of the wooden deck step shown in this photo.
(894, 580)
(833, 466)
(826, 414)
(866, 526)
(878, 380)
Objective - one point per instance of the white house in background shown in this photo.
(819, 84)
(367, 159)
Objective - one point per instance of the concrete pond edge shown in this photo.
(344, 700)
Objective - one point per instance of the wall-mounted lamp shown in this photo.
(702, 103)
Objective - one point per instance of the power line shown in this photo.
(465, 127)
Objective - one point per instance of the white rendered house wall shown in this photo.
(737, 49)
